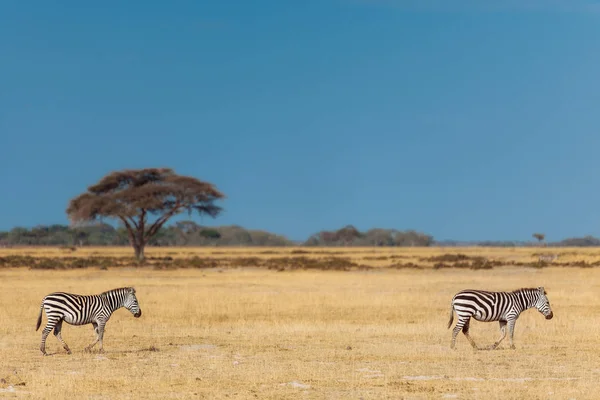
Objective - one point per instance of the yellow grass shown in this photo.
(373, 256)
(255, 333)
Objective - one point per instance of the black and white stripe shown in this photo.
(504, 307)
(547, 258)
(78, 309)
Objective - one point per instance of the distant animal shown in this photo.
(547, 257)
(504, 307)
(78, 309)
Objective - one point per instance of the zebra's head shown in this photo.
(131, 303)
(543, 304)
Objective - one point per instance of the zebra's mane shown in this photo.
(527, 290)
(121, 289)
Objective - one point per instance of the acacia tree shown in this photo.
(143, 200)
(539, 236)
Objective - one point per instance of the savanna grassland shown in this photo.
(308, 323)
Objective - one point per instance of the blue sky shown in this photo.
(467, 122)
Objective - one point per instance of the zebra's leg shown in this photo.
(95, 325)
(57, 329)
(511, 333)
(465, 330)
(462, 324)
(99, 329)
(502, 332)
(455, 331)
(52, 320)
(101, 335)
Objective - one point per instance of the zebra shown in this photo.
(547, 257)
(504, 307)
(78, 309)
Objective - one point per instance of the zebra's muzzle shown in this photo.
(138, 314)
(549, 316)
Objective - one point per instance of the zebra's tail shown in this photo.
(39, 321)
(451, 316)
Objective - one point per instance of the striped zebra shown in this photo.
(504, 307)
(78, 309)
(547, 257)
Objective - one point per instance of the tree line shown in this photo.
(189, 233)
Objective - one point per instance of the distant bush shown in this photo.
(587, 241)
(182, 233)
(350, 236)
(210, 233)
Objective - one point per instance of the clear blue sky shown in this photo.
(467, 121)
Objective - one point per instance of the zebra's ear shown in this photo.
(542, 290)
(132, 290)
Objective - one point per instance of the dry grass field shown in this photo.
(243, 333)
(379, 256)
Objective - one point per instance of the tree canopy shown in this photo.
(143, 200)
(539, 236)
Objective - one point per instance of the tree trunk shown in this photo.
(140, 243)
(139, 252)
